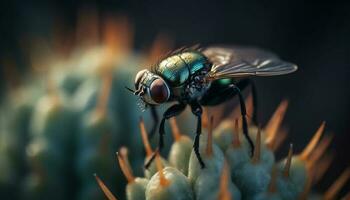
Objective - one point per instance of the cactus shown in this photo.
(230, 172)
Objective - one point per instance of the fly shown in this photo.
(204, 77)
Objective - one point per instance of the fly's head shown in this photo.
(151, 88)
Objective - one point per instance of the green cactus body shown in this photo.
(97, 128)
(267, 196)
(16, 113)
(52, 138)
(206, 187)
(315, 196)
(251, 179)
(6, 167)
(45, 158)
(89, 191)
(179, 187)
(267, 158)
(292, 186)
(54, 120)
(69, 81)
(19, 123)
(213, 163)
(123, 106)
(96, 138)
(137, 189)
(36, 186)
(237, 157)
(90, 161)
(152, 169)
(180, 153)
(84, 98)
(222, 135)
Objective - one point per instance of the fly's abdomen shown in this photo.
(212, 97)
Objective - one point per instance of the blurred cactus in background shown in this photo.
(63, 122)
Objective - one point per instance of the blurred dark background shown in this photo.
(315, 36)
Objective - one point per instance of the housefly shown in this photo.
(204, 77)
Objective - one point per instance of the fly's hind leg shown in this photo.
(173, 111)
(242, 84)
(234, 88)
(228, 92)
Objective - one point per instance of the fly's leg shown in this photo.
(242, 84)
(197, 110)
(226, 93)
(155, 119)
(173, 111)
(234, 88)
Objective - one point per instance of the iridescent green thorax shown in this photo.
(178, 68)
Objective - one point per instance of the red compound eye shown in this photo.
(159, 91)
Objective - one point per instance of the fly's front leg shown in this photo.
(173, 111)
(197, 110)
(242, 84)
(155, 119)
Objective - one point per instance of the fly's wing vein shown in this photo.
(233, 62)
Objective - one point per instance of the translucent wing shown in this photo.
(232, 62)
